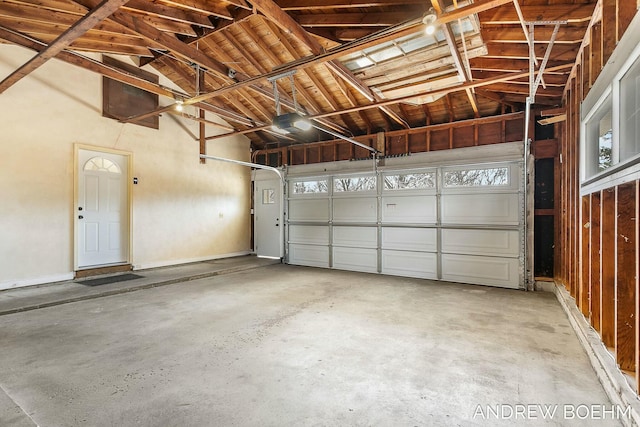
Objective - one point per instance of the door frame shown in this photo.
(129, 211)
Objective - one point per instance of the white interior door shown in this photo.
(102, 209)
(269, 235)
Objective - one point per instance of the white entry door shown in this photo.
(269, 235)
(102, 211)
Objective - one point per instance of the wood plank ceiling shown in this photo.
(361, 66)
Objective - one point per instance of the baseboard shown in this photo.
(36, 281)
(171, 263)
(612, 379)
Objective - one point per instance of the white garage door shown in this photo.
(461, 223)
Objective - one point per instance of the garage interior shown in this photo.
(324, 212)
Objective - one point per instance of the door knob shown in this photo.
(80, 217)
(79, 208)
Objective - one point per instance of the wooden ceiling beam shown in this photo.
(287, 24)
(172, 13)
(457, 59)
(203, 7)
(572, 13)
(567, 34)
(31, 13)
(310, 61)
(508, 52)
(473, 8)
(504, 65)
(443, 91)
(50, 30)
(90, 20)
(188, 75)
(342, 4)
(169, 42)
(355, 20)
(50, 5)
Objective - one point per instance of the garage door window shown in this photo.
(478, 177)
(410, 181)
(354, 183)
(310, 187)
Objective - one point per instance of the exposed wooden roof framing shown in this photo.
(362, 66)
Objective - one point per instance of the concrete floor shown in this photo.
(283, 345)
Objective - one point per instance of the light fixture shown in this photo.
(179, 105)
(429, 19)
(290, 123)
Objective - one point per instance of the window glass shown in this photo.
(630, 112)
(268, 196)
(477, 177)
(354, 183)
(310, 187)
(409, 181)
(101, 164)
(599, 140)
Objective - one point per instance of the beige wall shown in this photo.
(182, 211)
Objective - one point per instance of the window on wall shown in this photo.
(630, 112)
(599, 134)
(611, 129)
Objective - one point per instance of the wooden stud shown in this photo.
(607, 266)
(626, 11)
(594, 232)
(609, 19)
(625, 283)
(585, 246)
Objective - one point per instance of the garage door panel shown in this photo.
(482, 209)
(481, 242)
(314, 256)
(361, 209)
(362, 237)
(309, 234)
(355, 259)
(309, 210)
(481, 270)
(411, 264)
(410, 239)
(409, 209)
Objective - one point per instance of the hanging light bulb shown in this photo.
(429, 20)
(179, 106)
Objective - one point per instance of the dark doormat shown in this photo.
(111, 279)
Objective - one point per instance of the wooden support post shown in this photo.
(609, 19)
(626, 11)
(594, 230)
(585, 276)
(607, 268)
(380, 143)
(201, 113)
(595, 65)
(637, 286)
(626, 277)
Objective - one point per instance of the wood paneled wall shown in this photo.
(597, 256)
(465, 133)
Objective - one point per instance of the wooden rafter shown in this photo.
(457, 58)
(90, 20)
(273, 12)
(443, 91)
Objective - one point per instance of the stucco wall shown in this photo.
(182, 211)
